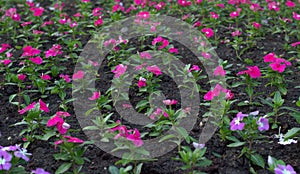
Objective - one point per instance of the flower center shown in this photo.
(2, 161)
(286, 172)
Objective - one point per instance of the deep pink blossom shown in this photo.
(236, 33)
(73, 139)
(295, 44)
(27, 108)
(119, 70)
(43, 106)
(256, 25)
(255, 7)
(279, 65)
(26, 23)
(274, 6)
(214, 15)
(141, 82)
(21, 77)
(210, 95)
(5, 61)
(170, 102)
(154, 69)
(59, 122)
(184, 3)
(97, 11)
(78, 75)
(220, 5)
(65, 77)
(95, 96)
(290, 4)
(160, 5)
(206, 55)
(37, 11)
(143, 15)
(234, 14)
(173, 50)
(98, 22)
(296, 16)
(208, 32)
(37, 60)
(135, 138)
(4, 47)
(194, 68)
(197, 24)
(219, 71)
(45, 76)
(253, 72)
(146, 55)
(29, 51)
(54, 51)
(271, 57)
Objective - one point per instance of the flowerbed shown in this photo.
(213, 92)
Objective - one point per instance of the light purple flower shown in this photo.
(22, 153)
(236, 123)
(5, 159)
(263, 124)
(281, 169)
(198, 146)
(40, 171)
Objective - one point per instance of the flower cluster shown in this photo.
(238, 124)
(277, 64)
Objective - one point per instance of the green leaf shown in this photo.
(63, 168)
(113, 170)
(61, 156)
(142, 103)
(167, 137)
(47, 136)
(258, 160)
(138, 169)
(292, 133)
(237, 144)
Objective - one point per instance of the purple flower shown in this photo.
(40, 171)
(263, 124)
(198, 146)
(22, 153)
(5, 159)
(236, 123)
(280, 169)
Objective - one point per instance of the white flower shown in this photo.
(284, 142)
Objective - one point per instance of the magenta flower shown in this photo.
(296, 16)
(29, 51)
(229, 95)
(169, 102)
(256, 25)
(73, 24)
(123, 132)
(58, 121)
(263, 124)
(279, 65)
(98, 22)
(295, 44)
(45, 76)
(135, 138)
(73, 139)
(184, 3)
(236, 123)
(37, 11)
(27, 108)
(219, 71)
(65, 77)
(255, 7)
(4, 47)
(234, 14)
(97, 11)
(197, 24)
(43, 106)
(274, 6)
(236, 33)
(21, 77)
(145, 55)
(37, 60)
(208, 32)
(281, 169)
(154, 69)
(253, 72)
(271, 57)
(22, 153)
(160, 5)
(194, 68)
(39, 171)
(95, 96)
(290, 4)
(173, 50)
(54, 51)
(78, 75)
(5, 62)
(5, 159)
(141, 82)
(143, 15)
(214, 15)
(119, 70)
(215, 92)
(206, 55)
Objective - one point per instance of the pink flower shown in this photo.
(95, 96)
(255, 7)
(274, 6)
(78, 75)
(197, 24)
(206, 55)
(214, 93)
(279, 65)
(37, 60)
(141, 82)
(220, 5)
(26, 23)
(229, 95)
(135, 138)
(45, 76)
(256, 25)
(160, 5)
(253, 72)
(47, 23)
(27, 108)
(234, 14)
(296, 16)
(73, 24)
(37, 11)
(157, 40)
(54, 51)
(29, 51)
(208, 32)
(63, 21)
(219, 71)
(119, 70)
(43, 106)
(4, 47)
(295, 44)
(236, 33)
(173, 50)
(21, 77)
(16, 17)
(117, 7)
(73, 139)
(5, 61)
(98, 22)
(154, 69)
(290, 4)
(139, 67)
(143, 15)
(97, 11)
(270, 57)
(194, 68)
(58, 121)
(214, 15)
(65, 77)
(170, 102)
(146, 55)
(184, 3)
